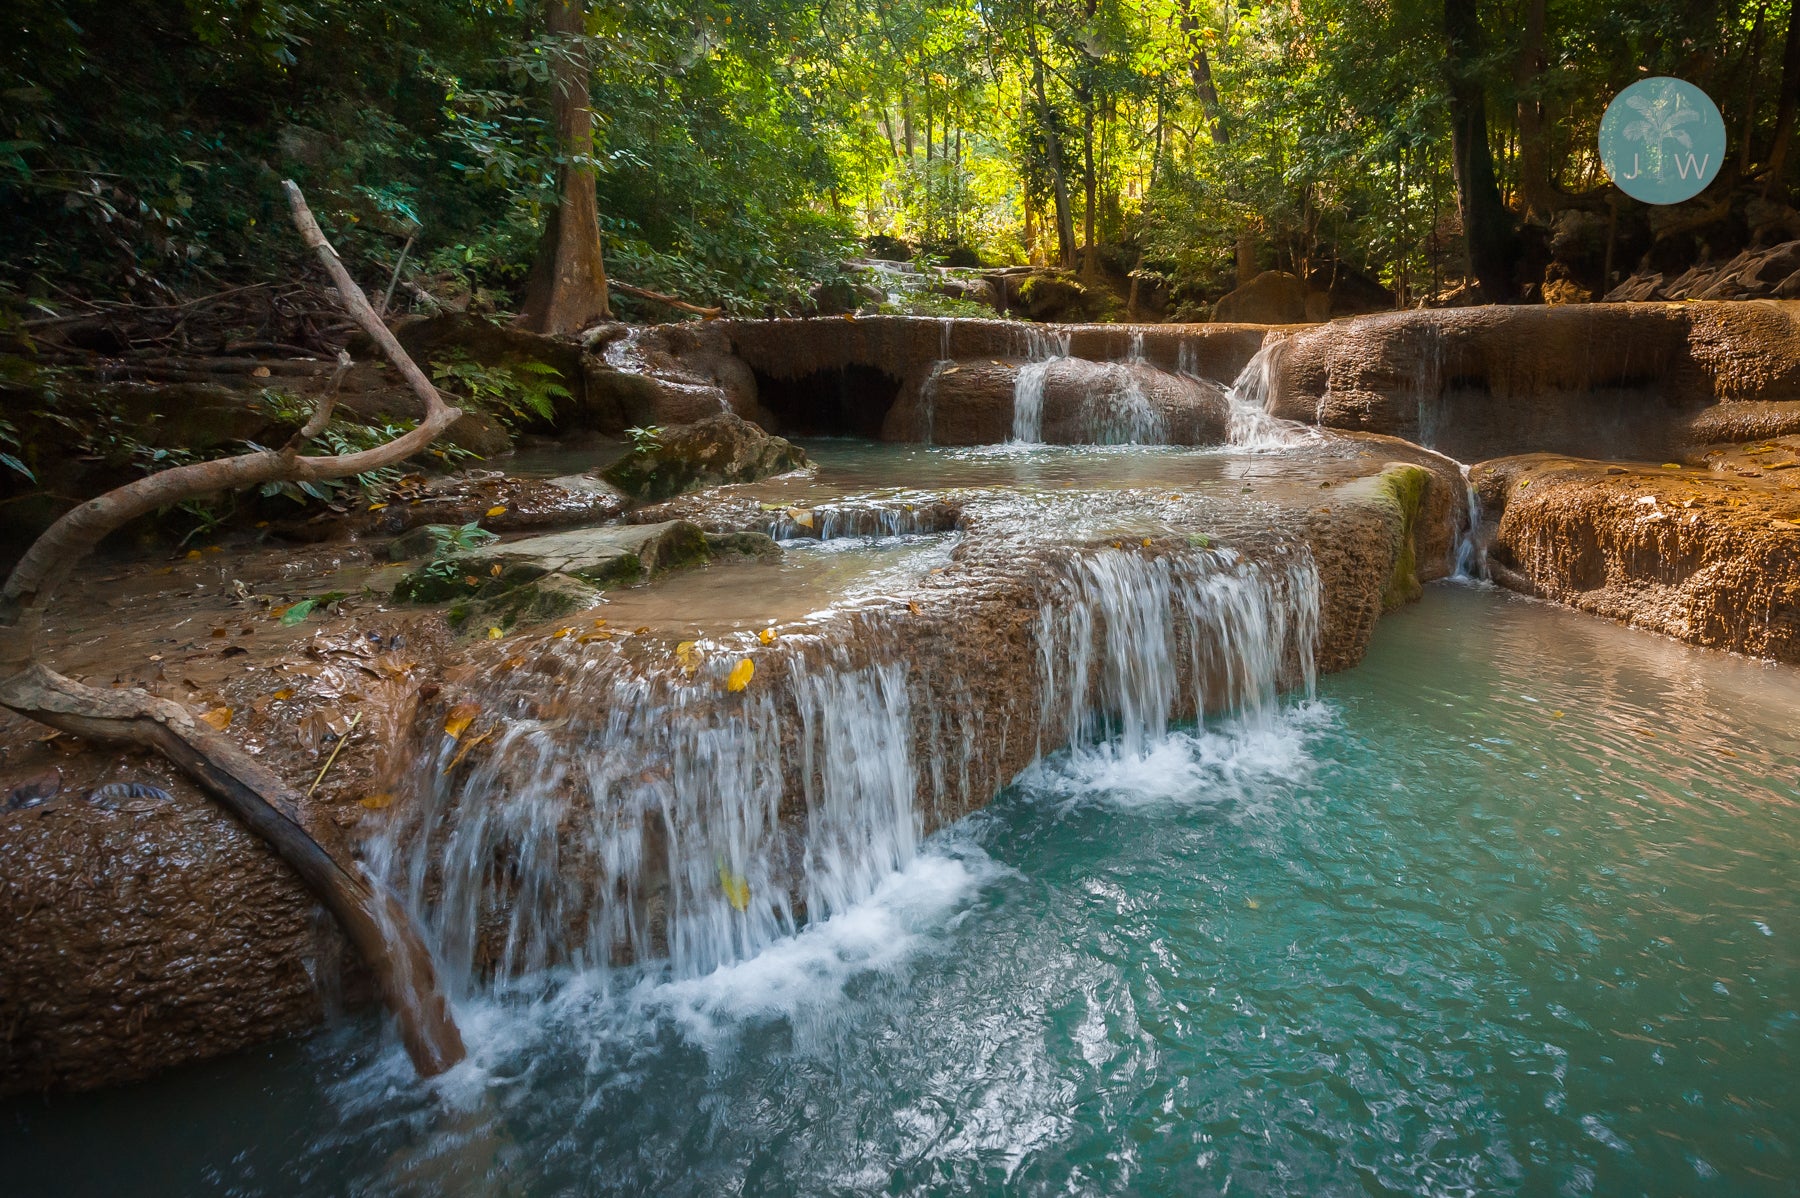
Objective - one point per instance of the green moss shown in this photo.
(624, 570)
(1403, 487)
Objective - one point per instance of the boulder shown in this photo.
(611, 555)
(1272, 297)
(1600, 380)
(720, 449)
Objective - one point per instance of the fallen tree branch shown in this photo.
(672, 301)
(370, 916)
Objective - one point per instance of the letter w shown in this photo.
(1682, 168)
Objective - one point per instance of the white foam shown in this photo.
(1231, 760)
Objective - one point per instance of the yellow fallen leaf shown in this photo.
(740, 675)
(376, 507)
(215, 549)
(688, 654)
(471, 580)
(218, 718)
(1556, 715)
(286, 692)
(499, 509)
(1253, 904)
(1523, 483)
(736, 887)
(1671, 465)
(1146, 542)
(563, 632)
(193, 555)
(459, 718)
(766, 636)
(913, 607)
(464, 751)
(376, 802)
(494, 633)
(495, 572)
(800, 516)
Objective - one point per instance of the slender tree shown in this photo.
(566, 290)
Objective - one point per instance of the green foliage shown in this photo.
(643, 440)
(343, 436)
(741, 149)
(515, 392)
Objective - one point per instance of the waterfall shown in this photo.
(1250, 425)
(1042, 348)
(631, 806)
(650, 814)
(929, 388)
(1120, 413)
(1129, 642)
(1471, 546)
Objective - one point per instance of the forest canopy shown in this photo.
(744, 151)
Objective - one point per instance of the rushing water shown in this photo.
(1518, 920)
(1043, 348)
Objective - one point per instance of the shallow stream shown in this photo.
(1508, 908)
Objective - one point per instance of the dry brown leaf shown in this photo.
(457, 720)
(219, 718)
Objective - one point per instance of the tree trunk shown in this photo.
(566, 291)
(1536, 193)
(1200, 73)
(1090, 258)
(1785, 110)
(1488, 226)
(1065, 219)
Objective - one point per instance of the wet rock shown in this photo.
(720, 449)
(547, 597)
(1601, 380)
(1711, 557)
(664, 375)
(34, 791)
(497, 502)
(613, 555)
(1751, 274)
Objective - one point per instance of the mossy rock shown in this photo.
(548, 597)
(544, 577)
(708, 453)
(1403, 486)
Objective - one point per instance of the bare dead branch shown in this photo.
(370, 916)
(672, 301)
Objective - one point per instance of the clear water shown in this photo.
(1510, 909)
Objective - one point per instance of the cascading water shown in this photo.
(1250, 425)
(642, 811)
(1131, 642)
(1043, 347)
(1471, 545)
(642, 815)
(929, 389)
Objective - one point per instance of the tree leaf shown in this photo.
(740, 675)
(458, 719)
(298, 612)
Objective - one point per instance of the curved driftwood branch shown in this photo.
(371, 917)
(673, 301)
